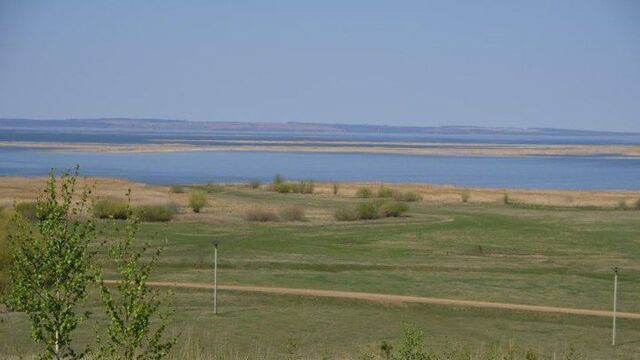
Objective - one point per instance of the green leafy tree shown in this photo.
(134, 307)
(52, 265)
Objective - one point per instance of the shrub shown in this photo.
(254, 184)
(408, 196)
(385, 192)
(366, 211)
(303, 187)
(636, 204)
(197, 200)
(292, 213)
(622, 205)
(161, 213)
(412, 346)
(364, 192)
(6, 255)
(392, 209)
(260, 215)
(505, 199)
(345, 215)
(336, 188)
(176, 189)
(28, 210)
(283, 188)
(465, 196)
(277, 179)
(110, 209)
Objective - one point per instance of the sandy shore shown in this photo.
(345, 147)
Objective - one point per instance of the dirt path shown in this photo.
(393, 298)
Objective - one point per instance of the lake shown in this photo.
(559, 172)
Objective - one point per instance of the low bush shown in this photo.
(407, 196)
(197, 201)
(292, 213)
(153, 213)
(260, 215)
(465, 196)
(385, 192)
(345, 215)
(254, 184)
(622, 205)
(303, 187)
(176, 189)
(364, 192)
(111, 209)
(392, 209)
(28, 210)
(367, 211)
(372, 210)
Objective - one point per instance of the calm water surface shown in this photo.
(569, 172)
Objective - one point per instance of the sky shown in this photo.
(561, 64)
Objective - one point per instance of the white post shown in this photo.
(615, 301)
(215, 279)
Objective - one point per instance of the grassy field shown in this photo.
(539, 255)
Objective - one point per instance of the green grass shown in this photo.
(546, 256)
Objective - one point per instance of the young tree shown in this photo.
(133, 308)
(52, 265)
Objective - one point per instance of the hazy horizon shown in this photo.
(498, 64)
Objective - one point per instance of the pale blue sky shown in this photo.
(569, 64)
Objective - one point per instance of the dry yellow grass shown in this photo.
(228, 209)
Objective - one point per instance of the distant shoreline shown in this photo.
(363, 147)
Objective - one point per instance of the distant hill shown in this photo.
(162, 125)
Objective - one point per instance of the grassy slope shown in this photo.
(534, 256)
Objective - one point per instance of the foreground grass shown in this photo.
(544, 256)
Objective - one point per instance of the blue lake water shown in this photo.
(562, 172)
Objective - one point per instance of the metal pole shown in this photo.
(215, 279)
(615, 301)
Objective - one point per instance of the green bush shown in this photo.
(465, 196)
(154, 213)
(6, 258)
(176, 189)
(392, 209)
(385, 192)
(345, 215)
(292, 213)
(364, 192)
(111, 209)
(407, 196)
(283, 188)
(197, 200)
(260, 215)
(302, 187)
(367, 211)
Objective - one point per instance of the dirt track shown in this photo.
(395, 298)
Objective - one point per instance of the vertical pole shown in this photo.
(615, 301)
(215, 279)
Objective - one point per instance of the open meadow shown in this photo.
(547, 248)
